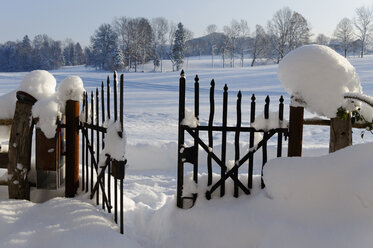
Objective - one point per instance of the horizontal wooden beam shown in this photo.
(6, 122)
(324, 122)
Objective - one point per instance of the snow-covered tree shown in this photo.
(322, 39)
(364, 25)
(211, 29)
(118, 59)
(160, 28)
(344, 33)
(259, 43)
(232, 33)
(178, 49)
(103, 43)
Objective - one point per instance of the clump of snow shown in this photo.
(319, 76)
(39, 83)
(71, 88)
(47, 110)
(115, 146)
(273, 122)
(189, 120)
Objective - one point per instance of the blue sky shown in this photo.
(78, 19)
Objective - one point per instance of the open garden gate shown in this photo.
(93, 131)
(190, 154)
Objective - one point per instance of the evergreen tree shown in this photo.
(79, 56)
(118, 59)
(178, 48)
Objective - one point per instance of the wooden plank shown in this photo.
(4, 160)
(340, 134)
(6, 122)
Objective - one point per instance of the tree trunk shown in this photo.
(20, 148)
(340, 134)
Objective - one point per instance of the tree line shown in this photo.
(41, 53)
(128, 43)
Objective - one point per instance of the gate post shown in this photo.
(72, 148)
(340, 133)
(295, 131)
(20, 147)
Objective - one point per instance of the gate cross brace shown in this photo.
(221, 164)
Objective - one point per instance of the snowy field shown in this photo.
(317, 202)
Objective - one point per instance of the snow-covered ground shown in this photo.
(318, 202)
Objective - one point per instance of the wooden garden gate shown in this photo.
(190, 154)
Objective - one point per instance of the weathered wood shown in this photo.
(6, 122)
(340, 134)
(20, 148)
(72, 149)
(322, 122)
(4, 160)
(295, 131)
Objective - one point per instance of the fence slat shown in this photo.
(264, 148)
(180, 164)
(103, 135)
(251, 143)
(108, 115)
(224, 138)
(210, 137)
(196, 115)
(115, 86)
(279, 135)
(92, 139)
(98, 142)
(237, 141)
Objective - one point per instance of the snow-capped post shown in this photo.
(319, 76)
(180, 164)
(20, 147)
(295, 128)
(70, 93)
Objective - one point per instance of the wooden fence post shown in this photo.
(295, 131)
(72, 148)
(20, 147)
(340, 133)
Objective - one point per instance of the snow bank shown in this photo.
(319, 76)
(39, 83)
(71, 88)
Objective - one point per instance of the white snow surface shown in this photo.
(39, 83)
(319, 76)
(323, 201)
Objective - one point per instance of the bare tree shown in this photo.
(244, 33)
(160, 28)
(232, 32)
(344, 33)
(211, 29)
(322, 39)
(363, 24)
(171, 39)
(287, 30)
(259, 43)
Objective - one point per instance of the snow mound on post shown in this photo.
(319, 76)
(71, 88)
(47, 111)
(39, 83)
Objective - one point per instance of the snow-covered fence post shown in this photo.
(340, 133)
(70, 93)
(72, 149)
(20, 147)
(295, 130)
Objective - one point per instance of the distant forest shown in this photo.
(128, 42)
